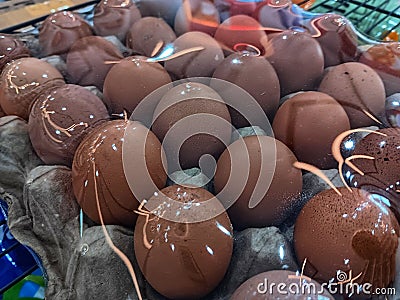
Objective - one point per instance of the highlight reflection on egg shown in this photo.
(183, 260)
(22, 81)
(353, 231)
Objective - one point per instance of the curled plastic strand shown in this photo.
(302, 276)
(123, 257)
(318, 172)
(157, 48)
(112, 62)
(338, 156)
(237, 47)
(349, 163)
(146, 214)
(15, 86)
(176, 55)
(124, 114)
(81, 223)
(371, 116)
(157, 215)
(46, 115)
(161, 59)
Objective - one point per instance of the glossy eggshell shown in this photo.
(130, 81)
(60, 31)
(358, 88)
(200, 63)
(292, 51)
(115, 17)
(22, 81)
(382, 175)
(241, 29)
(145, 34)
(90, 59)
(295, 125)
(264, 286)
(350, 232)
(256, 76)
(190, 100)
(337, 38)
(98, 171)
(11, 48)
(279, 198)
(392, 107)
(185, 260)
(60, 119)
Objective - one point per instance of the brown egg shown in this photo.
(264, 286)
(298, 118)
(241, 29)
(196, 122)
(115, 17)
(382, 174)
(353, 232)
(200, 63)
(337, 38)
(22, 81)
(130, 81)
(90, 59)
(60, 119)
(11, 48)
(246, 172)
(359, 89)
(60, 31)
(98, 173)
(256, 76)
(143, 36)
(184, 260)
(298, 60)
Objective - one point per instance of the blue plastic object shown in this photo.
(16, 260)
